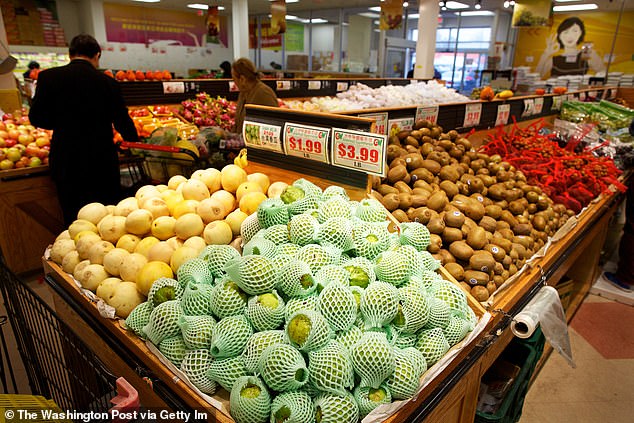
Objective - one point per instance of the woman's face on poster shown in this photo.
(570, 36)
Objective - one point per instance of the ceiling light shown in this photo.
(571, 7)
(291, 18)
(413, 16)
(405, 4)
(147, 1)
(318, 20)
(506, 4)
(192, 6)
(456, 5)
(375, 8)
(475, 13)
(478, 4)
(289, 1)
(565, 1)
(369, 15)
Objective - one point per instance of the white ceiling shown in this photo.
(263, 6)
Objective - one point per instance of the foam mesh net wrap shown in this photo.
(292, 407)
(256, 345)
(402, 340)
(379, 304)
(169, 284)
(369, 398)
(281, 260)
(196, 299)
(331, 368)
(414, 260)
(413, 310)
(453, 295)
(139, 318)
(216, 256)
(226, 371)
(308, 330)
(330, 408)
(415, 234)
(317, 256)
(331, 273)
(347, 338)
(335, 191)
(272, 211)
(250, 401)
(370, 239)
(371, 210)
(418, 358)
(308, 187)
(173, 349)
(227, 299)
(333, 207)
(373, 358)
(456, 329)
(336, 231)
(430, 280)
(229, 336)
(287, 248)
(253, 274)
(195, 365)
(302, 229)
(278, 234)
(283, 368)
(249, 227)
(296, 304)
(260, 247)
(392, 267)
(163, 322)
(439, 313)
(338, 306)
(196, 331)
(266, 311)
(429, 262)
(403, 382)
(361, 271)
(194, 271)
(296, 279)
(433, 344)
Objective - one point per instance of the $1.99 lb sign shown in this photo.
(307, 142)
(359, 151)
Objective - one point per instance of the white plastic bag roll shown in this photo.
(545, 309)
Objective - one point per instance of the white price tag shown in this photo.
(233, 87)
(308, 142)
(359, 151)
(504, 111)
(398, 125)
(282, 85)
(529, 107)
(173, 87)
(427, 113)
(592, 94)
(342, 86)
(262, 136)
(314, 85)
(557, 100)
(539, 105)
(380, 122)
(472, 114)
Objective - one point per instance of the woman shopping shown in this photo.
(252, 90)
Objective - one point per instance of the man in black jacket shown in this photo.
(80, 104)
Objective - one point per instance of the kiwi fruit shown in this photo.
(422, 215)
(391, 201)
(437, 201)
(400, 215)
(482, 260)
(385, 189)
(436, 225)
(454, 219)
(461, 250)
(480, 293)
(488, 223)
(449, 173)
(405, 200)
(449, 187)
(497, 252)
(477, 238)
(421, 174)
(522, 229)
(446, 257)
(435, 243)
(455, 270)
(491, 287)
(474, 210)
(402, 187)
(402, 134)
(431, 165)
(411, 149)
(450, 235)
(397, 173)
(475, 277)
(413, 160)
(410, 140)
(419, 200)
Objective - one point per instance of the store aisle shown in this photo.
(601, 388)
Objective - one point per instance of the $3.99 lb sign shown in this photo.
(307, 142)
(359, 151)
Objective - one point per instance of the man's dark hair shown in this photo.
(568, 23)
(33, 65)
(84, 45)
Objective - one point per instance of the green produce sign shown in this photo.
(294, 37)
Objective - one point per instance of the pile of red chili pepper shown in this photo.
(572, 179)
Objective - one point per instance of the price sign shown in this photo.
(582, 96)
(539, 105)
(283, 85)
(342, 86)
(307, 142)
(173, 87)
(592, 94)
(380, 122)
(556, 103)
(314, 85)
(359, 151)
(398, 125)
(472, 114)
(504, 111)
(529, 107)
(262, 136)
(427, 113)
(233, 87)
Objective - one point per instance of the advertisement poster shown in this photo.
(577, 44)
(213, 25)
(278, 17)
(294, 36)
(391, 14)
(527, 13)
(156, 27)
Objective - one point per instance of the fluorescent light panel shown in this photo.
(195, 5)
(476, 13)
(565, 1)
(456, 5)
(147, 1)
(413, 16)
(572, 7)
(369, 15)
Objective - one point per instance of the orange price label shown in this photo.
(504, 111)
(472, 114)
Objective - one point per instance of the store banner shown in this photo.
(278, 17)
(157, 27)
(294, 36)
(391, 14)
(530, 13)
(577, 44)
(213, 25)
